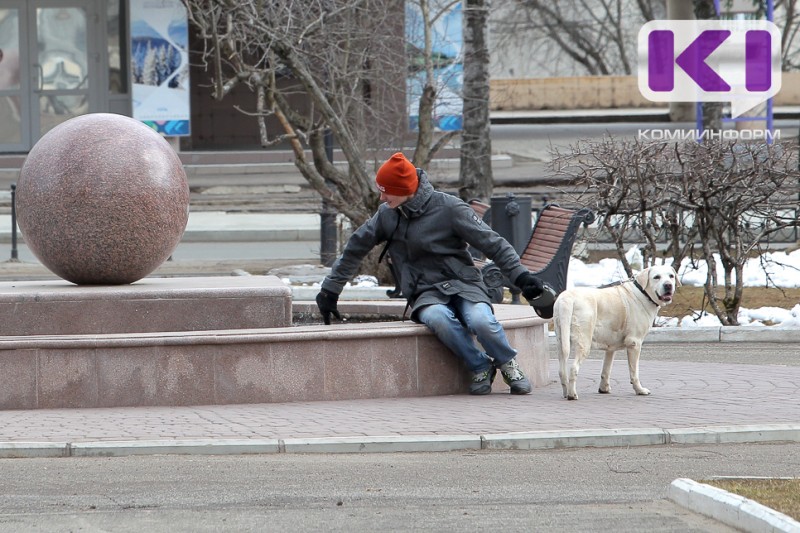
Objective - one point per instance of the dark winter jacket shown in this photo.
(428, 237)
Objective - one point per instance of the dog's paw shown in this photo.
(602, 391)
(641, 391)
(572, 396)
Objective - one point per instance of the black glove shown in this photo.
(531, 286)
(326, 301)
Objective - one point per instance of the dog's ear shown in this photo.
(677, 279)
(643, 277)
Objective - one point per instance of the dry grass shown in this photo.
(691, 299)
(782, 495)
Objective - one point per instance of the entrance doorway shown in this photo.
(49, 67)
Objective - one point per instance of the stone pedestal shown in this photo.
(149, 305)
(205, 341)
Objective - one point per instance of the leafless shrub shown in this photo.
(719, 201)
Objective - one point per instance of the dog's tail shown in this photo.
(562, 319)
(562, 322)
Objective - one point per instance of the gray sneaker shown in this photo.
(482, 381)
(514, 378)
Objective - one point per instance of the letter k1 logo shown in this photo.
(736, 61)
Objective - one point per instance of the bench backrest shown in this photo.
(552, 226)
(549, 249)
(552, 236)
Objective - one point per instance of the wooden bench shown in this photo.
(546, 255)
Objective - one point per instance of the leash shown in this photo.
(636, 284)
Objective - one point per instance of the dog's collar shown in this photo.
(641, 289)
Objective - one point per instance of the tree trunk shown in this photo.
(422, 152)
(475, 179)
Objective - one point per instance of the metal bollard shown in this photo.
(327, 233)
(14, 253)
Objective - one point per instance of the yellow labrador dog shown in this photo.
(611, 318)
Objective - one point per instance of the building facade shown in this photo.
(60, 59)
(63, 58)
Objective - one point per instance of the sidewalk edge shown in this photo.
(731, 509)
(535, 440)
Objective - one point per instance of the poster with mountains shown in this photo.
(160, 65)
(446, 51)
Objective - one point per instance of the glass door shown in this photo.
(14, 112)
(62, 65)
(57, 67)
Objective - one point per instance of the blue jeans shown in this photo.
(455, 323)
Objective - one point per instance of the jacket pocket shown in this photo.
(448, 287)
(468, 273)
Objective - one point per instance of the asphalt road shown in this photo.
(575, 490)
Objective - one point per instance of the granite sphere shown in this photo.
(102, 199)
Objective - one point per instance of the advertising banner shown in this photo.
(447, 42)
(160, 65)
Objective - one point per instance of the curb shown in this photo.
(730, 509)
(536, 440)
(724, 334)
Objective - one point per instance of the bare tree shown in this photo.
(788, 18)
(599, 36)
(475, 178)
(319, 68)
(628, 183)
(327, 51)
(739, 194)
(718, 201)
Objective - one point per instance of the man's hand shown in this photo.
(531, 286)
(326, 301)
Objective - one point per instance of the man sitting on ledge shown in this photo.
(426, 233)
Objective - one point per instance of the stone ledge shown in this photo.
(256, 365)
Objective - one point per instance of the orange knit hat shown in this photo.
(397, 176)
